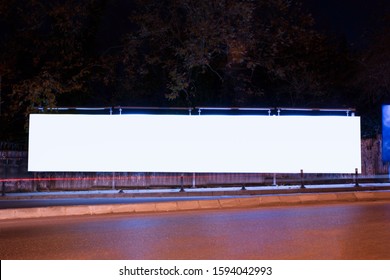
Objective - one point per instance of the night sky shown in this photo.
(349, 16)
(352, 19)
(349, 19)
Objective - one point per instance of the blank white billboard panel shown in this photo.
(177, 143)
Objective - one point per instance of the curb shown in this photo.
(225, 203)
(189, 193)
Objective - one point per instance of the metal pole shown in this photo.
(5, 176)
(356, 178)
(193, 180)
(34, 184)
(113, 180)
(182, 183)
(302, 180)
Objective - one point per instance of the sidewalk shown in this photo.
(217, 198)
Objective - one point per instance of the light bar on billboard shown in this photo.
(181, 143)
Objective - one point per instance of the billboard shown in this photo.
(386, 133)
(208, 143)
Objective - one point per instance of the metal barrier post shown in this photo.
(5, 175)
(182, 183)
(193, 180)
(274, 181)
(113, 181)
(356, 178)
(302, 180)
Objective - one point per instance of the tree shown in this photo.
(45, 51)
(371, 81)
(231, 47)
(374, 76)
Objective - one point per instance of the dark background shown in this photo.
(97, 53)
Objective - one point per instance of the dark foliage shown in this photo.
(181, 53)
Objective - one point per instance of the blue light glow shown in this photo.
(386, 133)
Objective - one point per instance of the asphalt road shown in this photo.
(337, 231)
(47, 202)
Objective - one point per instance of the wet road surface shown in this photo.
(31, 203)
(336, 231)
